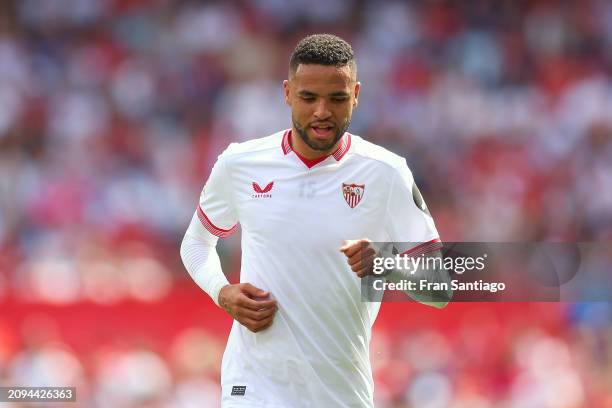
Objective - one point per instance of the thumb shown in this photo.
(346, 244)
(254, 291)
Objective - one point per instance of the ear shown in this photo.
(286, 92)
(357, 89)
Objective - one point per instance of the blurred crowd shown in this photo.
(113, 111)
(501, 356)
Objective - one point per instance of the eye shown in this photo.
(308, 98)
(339, 99)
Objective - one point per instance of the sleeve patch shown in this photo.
(418, 199)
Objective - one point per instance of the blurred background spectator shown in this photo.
(113, 111)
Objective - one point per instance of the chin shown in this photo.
(323, 144)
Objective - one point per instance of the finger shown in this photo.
(254, 291)
(253, 304)
(363, 258)
(246, 322)
(351, 250)
(365, 268)
(366, 251)
(264, 324)
(350, 244)
(347, 244)
(354, 261)
(257, 315)
(366, 264)
(265, 314)
(363, 271)
(354, 258)
(254, 325)
(267, 325)
(363, 264)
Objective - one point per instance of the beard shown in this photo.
(320, 145)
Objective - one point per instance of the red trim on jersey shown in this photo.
(343, 147)
(212, 228)
(286, 145)
(310, 162)
(424, 248)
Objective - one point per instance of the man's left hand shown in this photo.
(360, 255)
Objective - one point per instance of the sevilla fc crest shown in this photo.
(353, 193)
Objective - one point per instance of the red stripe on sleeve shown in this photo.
(424, 248)
(212, 228)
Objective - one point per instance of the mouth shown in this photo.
(324, 131)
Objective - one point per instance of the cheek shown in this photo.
(301, 110)
(342, 113)
(300, 114)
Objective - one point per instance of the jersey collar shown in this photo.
(343, 147)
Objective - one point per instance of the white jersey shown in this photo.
(295, 215)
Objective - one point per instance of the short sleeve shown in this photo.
(216, 209)
(408, 221)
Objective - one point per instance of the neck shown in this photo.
(301, 148)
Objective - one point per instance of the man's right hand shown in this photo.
(249, 305)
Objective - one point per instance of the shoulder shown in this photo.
(253, 146)
(385, 158)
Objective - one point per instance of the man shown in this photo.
(310, 200)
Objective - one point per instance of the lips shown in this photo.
(323, 131)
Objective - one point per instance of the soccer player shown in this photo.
(310, 199)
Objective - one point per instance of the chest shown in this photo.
(320, 205)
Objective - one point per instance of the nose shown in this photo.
(321, 111)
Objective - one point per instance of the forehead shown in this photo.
(322, 77)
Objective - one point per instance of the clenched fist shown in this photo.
(249, 305)
(360, 255)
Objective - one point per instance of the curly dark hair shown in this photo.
(322, 49)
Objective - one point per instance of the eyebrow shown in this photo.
(333, 94)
